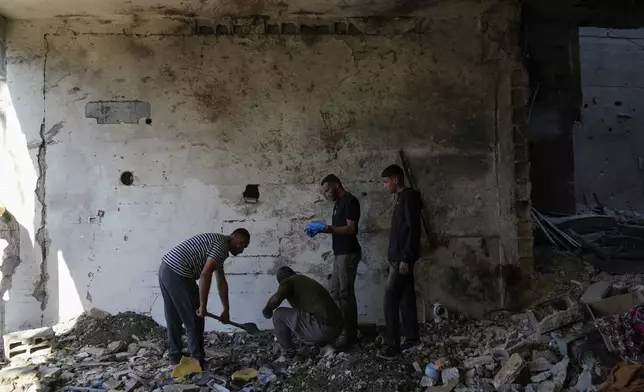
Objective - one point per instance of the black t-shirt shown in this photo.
(346, 207)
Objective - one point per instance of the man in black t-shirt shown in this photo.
(347, 252)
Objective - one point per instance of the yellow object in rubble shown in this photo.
(186, 366)
(245, 375)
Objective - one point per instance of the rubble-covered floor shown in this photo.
(504, 352)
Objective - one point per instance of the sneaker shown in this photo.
(409, 345)
(389, 354)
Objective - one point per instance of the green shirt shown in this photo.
(306, 294)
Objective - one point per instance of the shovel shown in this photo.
(251, 328)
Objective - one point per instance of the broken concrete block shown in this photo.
(511, 388)
(478, 361)
(559, 373)
(546, 354)
(541, 377)
(546, 386)
(539, 365)
(93, 351)
(181, 388)
(509, 372)
(49, 374)
(28, 343)
(560, 319)
(116, 347)
(596, 292)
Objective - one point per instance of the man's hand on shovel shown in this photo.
(224, 318)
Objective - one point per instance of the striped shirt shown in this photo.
(189, 257)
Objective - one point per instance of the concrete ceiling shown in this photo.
(41, 9)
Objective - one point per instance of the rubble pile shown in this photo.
(506, 352)
(570, 342)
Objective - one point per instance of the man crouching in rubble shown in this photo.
(185, 303)
(314, 318)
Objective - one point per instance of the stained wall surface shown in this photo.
(268, 108)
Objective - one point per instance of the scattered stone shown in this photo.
(511, 388)
(509, 372)
(541, 377)
(181, 388)
(585, 382)
(94, 351)
(559, 373)
(546, 354)
(539, 365)
(49, 373)
(478, 361)
(133, 348)
(546, 386)
(560, 319)
(116, 347)
(596, 292)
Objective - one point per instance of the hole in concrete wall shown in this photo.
(148, 121)
(206, 30)
(340, 28)
(221, 29)
(127, 178)
(353, 30)
(289, 28)
(322, 29)
(306, 29)
(364, 193)
(251, 193)
(618, 103)
(272, 29)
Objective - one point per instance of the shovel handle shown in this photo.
(234, 324)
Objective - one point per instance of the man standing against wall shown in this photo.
(184, 302)
(404, 249)
(347, 253)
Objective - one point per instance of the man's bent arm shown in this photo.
(273, 302)
(349, 229)
(222, 288)
(205, 281)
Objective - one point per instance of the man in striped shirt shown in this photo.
(185, 303)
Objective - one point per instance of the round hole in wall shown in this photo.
(148, 121)
(364, 193)
(127, 178)
(618, 103)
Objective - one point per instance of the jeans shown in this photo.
(181, 301)
(342, 290)
(289, 323)
(400, 303)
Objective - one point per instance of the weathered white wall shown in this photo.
(279, 111)
(609, 141)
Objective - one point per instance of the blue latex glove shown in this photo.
(314, 228)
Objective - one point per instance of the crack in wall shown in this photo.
(42, 236)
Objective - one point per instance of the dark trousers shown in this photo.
(400, 303)
(343, 278)
(181, 301)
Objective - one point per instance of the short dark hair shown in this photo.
(331, 178)
(394, 171)
(243, 233)
(284, 273)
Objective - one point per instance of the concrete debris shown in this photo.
(504, 352)
(539, 365)
(509, 372)
(541, 377)
(596, 292)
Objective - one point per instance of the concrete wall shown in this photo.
(270, 109)
(609, 141)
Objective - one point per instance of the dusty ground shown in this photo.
(126, 352)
